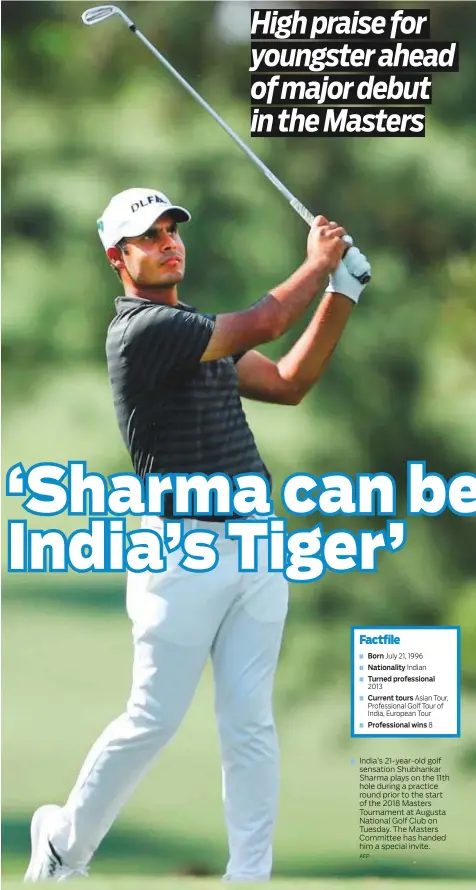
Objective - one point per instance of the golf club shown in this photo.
(98, 14)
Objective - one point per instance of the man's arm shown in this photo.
(283, 306)
(287, 381)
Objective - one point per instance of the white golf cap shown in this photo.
(132, 212)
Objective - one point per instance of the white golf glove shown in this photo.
(344, 279)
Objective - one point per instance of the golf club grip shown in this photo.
(307, 216)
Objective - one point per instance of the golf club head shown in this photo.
(98, 14)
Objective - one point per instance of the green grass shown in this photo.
(141, 883)
(66, 675)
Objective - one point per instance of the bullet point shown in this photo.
(361, 725)
(361, 679)
(352, 761)
(361, 656)
(361, 697)
(361, 667)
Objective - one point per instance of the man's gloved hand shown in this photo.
(344, 279)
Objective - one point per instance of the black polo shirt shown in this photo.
(175, 413)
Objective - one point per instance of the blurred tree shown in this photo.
(87, 112)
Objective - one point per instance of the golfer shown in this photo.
(177, 378)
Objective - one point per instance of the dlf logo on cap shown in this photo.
(149, 200)
(132, 212)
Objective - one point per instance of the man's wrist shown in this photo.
(318, 267)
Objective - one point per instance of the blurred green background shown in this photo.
(86, 113)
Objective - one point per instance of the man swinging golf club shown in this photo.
(177, 378)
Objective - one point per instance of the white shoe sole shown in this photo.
(39, 841)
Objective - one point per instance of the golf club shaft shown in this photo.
(303, 212)
(89, 17)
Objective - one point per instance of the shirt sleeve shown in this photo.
(162, 339)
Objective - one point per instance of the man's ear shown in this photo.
(114, 255)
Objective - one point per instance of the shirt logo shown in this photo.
(144, 202)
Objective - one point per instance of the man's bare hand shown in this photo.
(325, 246)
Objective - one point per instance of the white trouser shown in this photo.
(179, 618)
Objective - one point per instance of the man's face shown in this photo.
(154, 259)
